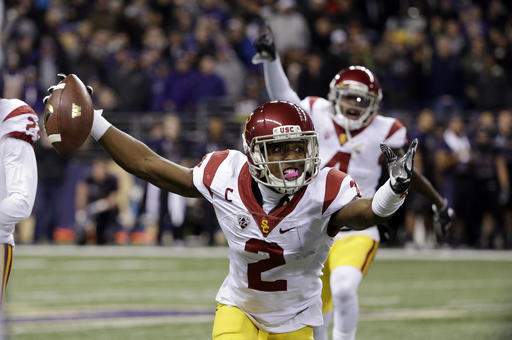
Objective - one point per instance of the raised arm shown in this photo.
(363, 213)
(139, 160)
(278, 86)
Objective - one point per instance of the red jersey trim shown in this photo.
(311, 102)
(332, 187)
(211, 168)
(266, 222)
(397, 125)
(340, 129)
(24, 109)
(368, 255)
(21, 136)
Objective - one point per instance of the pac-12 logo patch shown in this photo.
(243, 221)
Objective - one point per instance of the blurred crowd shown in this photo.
(445, 67)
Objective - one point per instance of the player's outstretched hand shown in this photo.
(68, 113)
(400, 169)
(264, 45)
(443, 219)
(62, 77)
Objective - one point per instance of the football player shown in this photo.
(18, 175)
(350, 131)
(278, 211)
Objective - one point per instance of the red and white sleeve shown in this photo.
(204, 173)
(397, 135)
(340, 189)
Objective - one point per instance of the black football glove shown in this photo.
(443, 220)
(400, 169)
(264, 45)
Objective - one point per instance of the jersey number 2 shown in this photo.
(254, 270)
(341, 158)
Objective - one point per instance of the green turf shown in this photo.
(400, 299)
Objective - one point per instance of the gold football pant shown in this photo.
(355, 251)
(6, 252)
(232, 324)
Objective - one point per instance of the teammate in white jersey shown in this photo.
(277, 210)
(350, 131)
(18, 175)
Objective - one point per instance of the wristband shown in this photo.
(99, 125)
(386, 202)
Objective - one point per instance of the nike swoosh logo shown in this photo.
(282, 231)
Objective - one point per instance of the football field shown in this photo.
(164, 293)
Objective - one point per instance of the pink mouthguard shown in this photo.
(291, 174)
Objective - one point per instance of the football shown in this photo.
(68, 115)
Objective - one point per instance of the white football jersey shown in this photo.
(18, 170)
(18, 120)
(275, 259)
(359, 156)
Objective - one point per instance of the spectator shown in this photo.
(485, 80)
(230, 69)
(178, 86)
(148, 209)
(96, 202)
(321, 34)
(490, 177)
(238, 39)
(174, 148)
(250, 100)
(216, 139)
(129, 82)
(504, 142)
(207, 84)
(176, 48)
(13, 77)
(202, 41)
(158, 206)
(418, 216)
(446, 72)
(158, 77)
(32, 94)
(51, 62)
(51, 168)
(313, 77)
(289, 26)
(452, 162)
